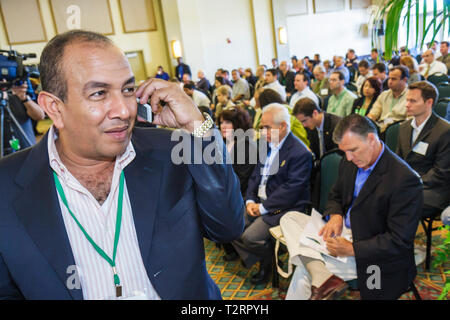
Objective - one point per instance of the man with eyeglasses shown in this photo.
(279, 183)
(319, 125)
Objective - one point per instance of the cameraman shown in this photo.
(25, 110)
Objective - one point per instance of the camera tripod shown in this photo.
(14, 127)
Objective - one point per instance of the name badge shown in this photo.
(262, 192)
(421, 148)
(324, 92)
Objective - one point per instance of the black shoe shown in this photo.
(263, 275)
(231, 256)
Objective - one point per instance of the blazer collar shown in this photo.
(40, 213)
(426, 129)
(143, 176)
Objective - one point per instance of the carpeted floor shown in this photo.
(234, 280)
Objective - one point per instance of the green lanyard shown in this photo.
(112, 262)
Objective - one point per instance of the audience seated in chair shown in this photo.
(430, 65)
(424, 143)
(341, 100)
(278, 184)
(241, 89)
(391, 104)
(369, 92)
(319, 126)
(301, 84)
(234, 125)
(376, 200)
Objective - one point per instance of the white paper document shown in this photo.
(310, 236)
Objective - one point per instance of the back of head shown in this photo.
(305, 106)
(238, 116)
(268, 96)
(51, 62)
(356, 124)
(410, 63)
(363, 64)
(190, 85)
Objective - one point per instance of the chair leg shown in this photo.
(275, 279)
(429, 238)
(415, 291)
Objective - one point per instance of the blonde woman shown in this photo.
(223, 99)
(413, 68)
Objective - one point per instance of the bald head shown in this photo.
(428, 56)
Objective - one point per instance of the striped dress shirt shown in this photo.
(94, 273)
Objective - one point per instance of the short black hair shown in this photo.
(380, 67)
(305, 106)
(403, 69)
(190, 85)
(340, 74)
(306, 77)
(356, 124)
(273, 71)
(363, 64)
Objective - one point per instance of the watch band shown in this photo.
(25, 100)
(204, 127)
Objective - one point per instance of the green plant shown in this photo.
(442, 257)
(390, 14)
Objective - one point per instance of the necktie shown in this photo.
(428, 70)
(321, 142)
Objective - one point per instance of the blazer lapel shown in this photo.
(425, 131)
(40, 213)
(143, 178)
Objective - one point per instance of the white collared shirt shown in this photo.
(417, 129)
(274, 150)
(435, 67)
(99, 221)
(305, 93)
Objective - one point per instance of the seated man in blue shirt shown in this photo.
(279, 183)
(374, 209)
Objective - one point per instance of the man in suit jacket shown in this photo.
(424, 143)
(279, 183)
(59, 230)
(182, 69)
(378, 197)
(319, 126)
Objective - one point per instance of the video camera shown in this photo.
(14, 73)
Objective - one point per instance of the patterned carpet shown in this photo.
(234, 280)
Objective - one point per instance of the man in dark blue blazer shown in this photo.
(92, 102)
(278, 184)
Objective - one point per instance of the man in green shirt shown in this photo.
(341, 100)
(445, 56)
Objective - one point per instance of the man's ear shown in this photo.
(52, 106)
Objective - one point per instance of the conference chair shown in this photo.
(329, 169)
(438, 78)
(441, 107)
(429, 216)
(391, 135)
(444, 90)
